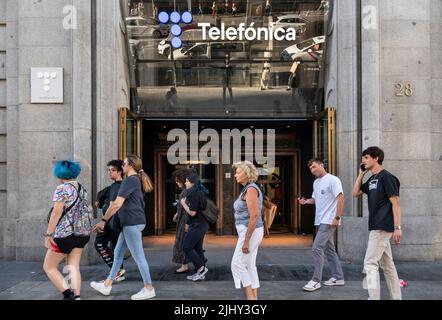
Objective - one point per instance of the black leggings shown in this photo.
(102, 245)
(193, 243)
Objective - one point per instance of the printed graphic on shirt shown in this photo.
(373, 184)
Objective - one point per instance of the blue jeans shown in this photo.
(130, 237)
(193, 244)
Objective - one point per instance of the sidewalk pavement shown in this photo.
(284, 266)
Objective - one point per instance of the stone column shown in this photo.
(343, 96)
(3, 122)
(436, 121)
(405, 119)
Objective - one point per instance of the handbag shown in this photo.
(268, 214)
(210, 213)
(114, 223)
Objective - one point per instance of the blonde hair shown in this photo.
(248, 168)
(136, 163)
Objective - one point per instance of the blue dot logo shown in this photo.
(163, 17)
(177, 43)
(187, 17)
(175, 30)
(175, 17)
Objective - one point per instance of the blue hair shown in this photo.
(67, 170)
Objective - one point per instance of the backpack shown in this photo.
(211, 212)
(81, 216)
(65, 211)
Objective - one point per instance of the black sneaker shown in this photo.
(68, 295)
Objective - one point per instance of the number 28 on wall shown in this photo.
(404, 89)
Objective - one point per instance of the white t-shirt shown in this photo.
(325, 191)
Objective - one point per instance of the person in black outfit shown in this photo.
(227, 80)
(110, 235)
(384, 222)
(194, 204)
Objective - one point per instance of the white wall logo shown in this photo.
(46, 85)
(249, 33)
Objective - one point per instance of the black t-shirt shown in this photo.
(107, 195)
(379, 188)
(132, 211)
(103, 199)
(197, 202)
(114, 189)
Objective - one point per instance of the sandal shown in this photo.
(181, 270)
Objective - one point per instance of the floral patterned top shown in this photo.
(66, 193)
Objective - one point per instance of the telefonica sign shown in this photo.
(249, 33)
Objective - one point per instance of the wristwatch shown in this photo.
(338, 218)
(397, 228)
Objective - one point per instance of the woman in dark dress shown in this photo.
(181, 218)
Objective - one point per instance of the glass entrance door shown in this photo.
(276, 185)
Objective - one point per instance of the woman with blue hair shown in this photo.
(60, 239)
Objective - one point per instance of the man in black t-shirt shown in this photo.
(384, 222)
(105, 198)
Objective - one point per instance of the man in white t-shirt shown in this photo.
(328, 197)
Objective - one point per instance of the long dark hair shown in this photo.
(181, 174)
(198, 186)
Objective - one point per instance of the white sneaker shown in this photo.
(312, 286)
(144, 294)
(334, 282)
(100, 287)
(199, 275)
(193, 276)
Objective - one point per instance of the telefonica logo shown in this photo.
(246, 33)
(209, 32)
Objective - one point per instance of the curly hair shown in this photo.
(67, 170)
(248, 168)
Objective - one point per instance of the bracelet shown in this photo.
(104, 220)
(48, 235)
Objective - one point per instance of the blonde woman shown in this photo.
(130, 206)
(249, 226)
